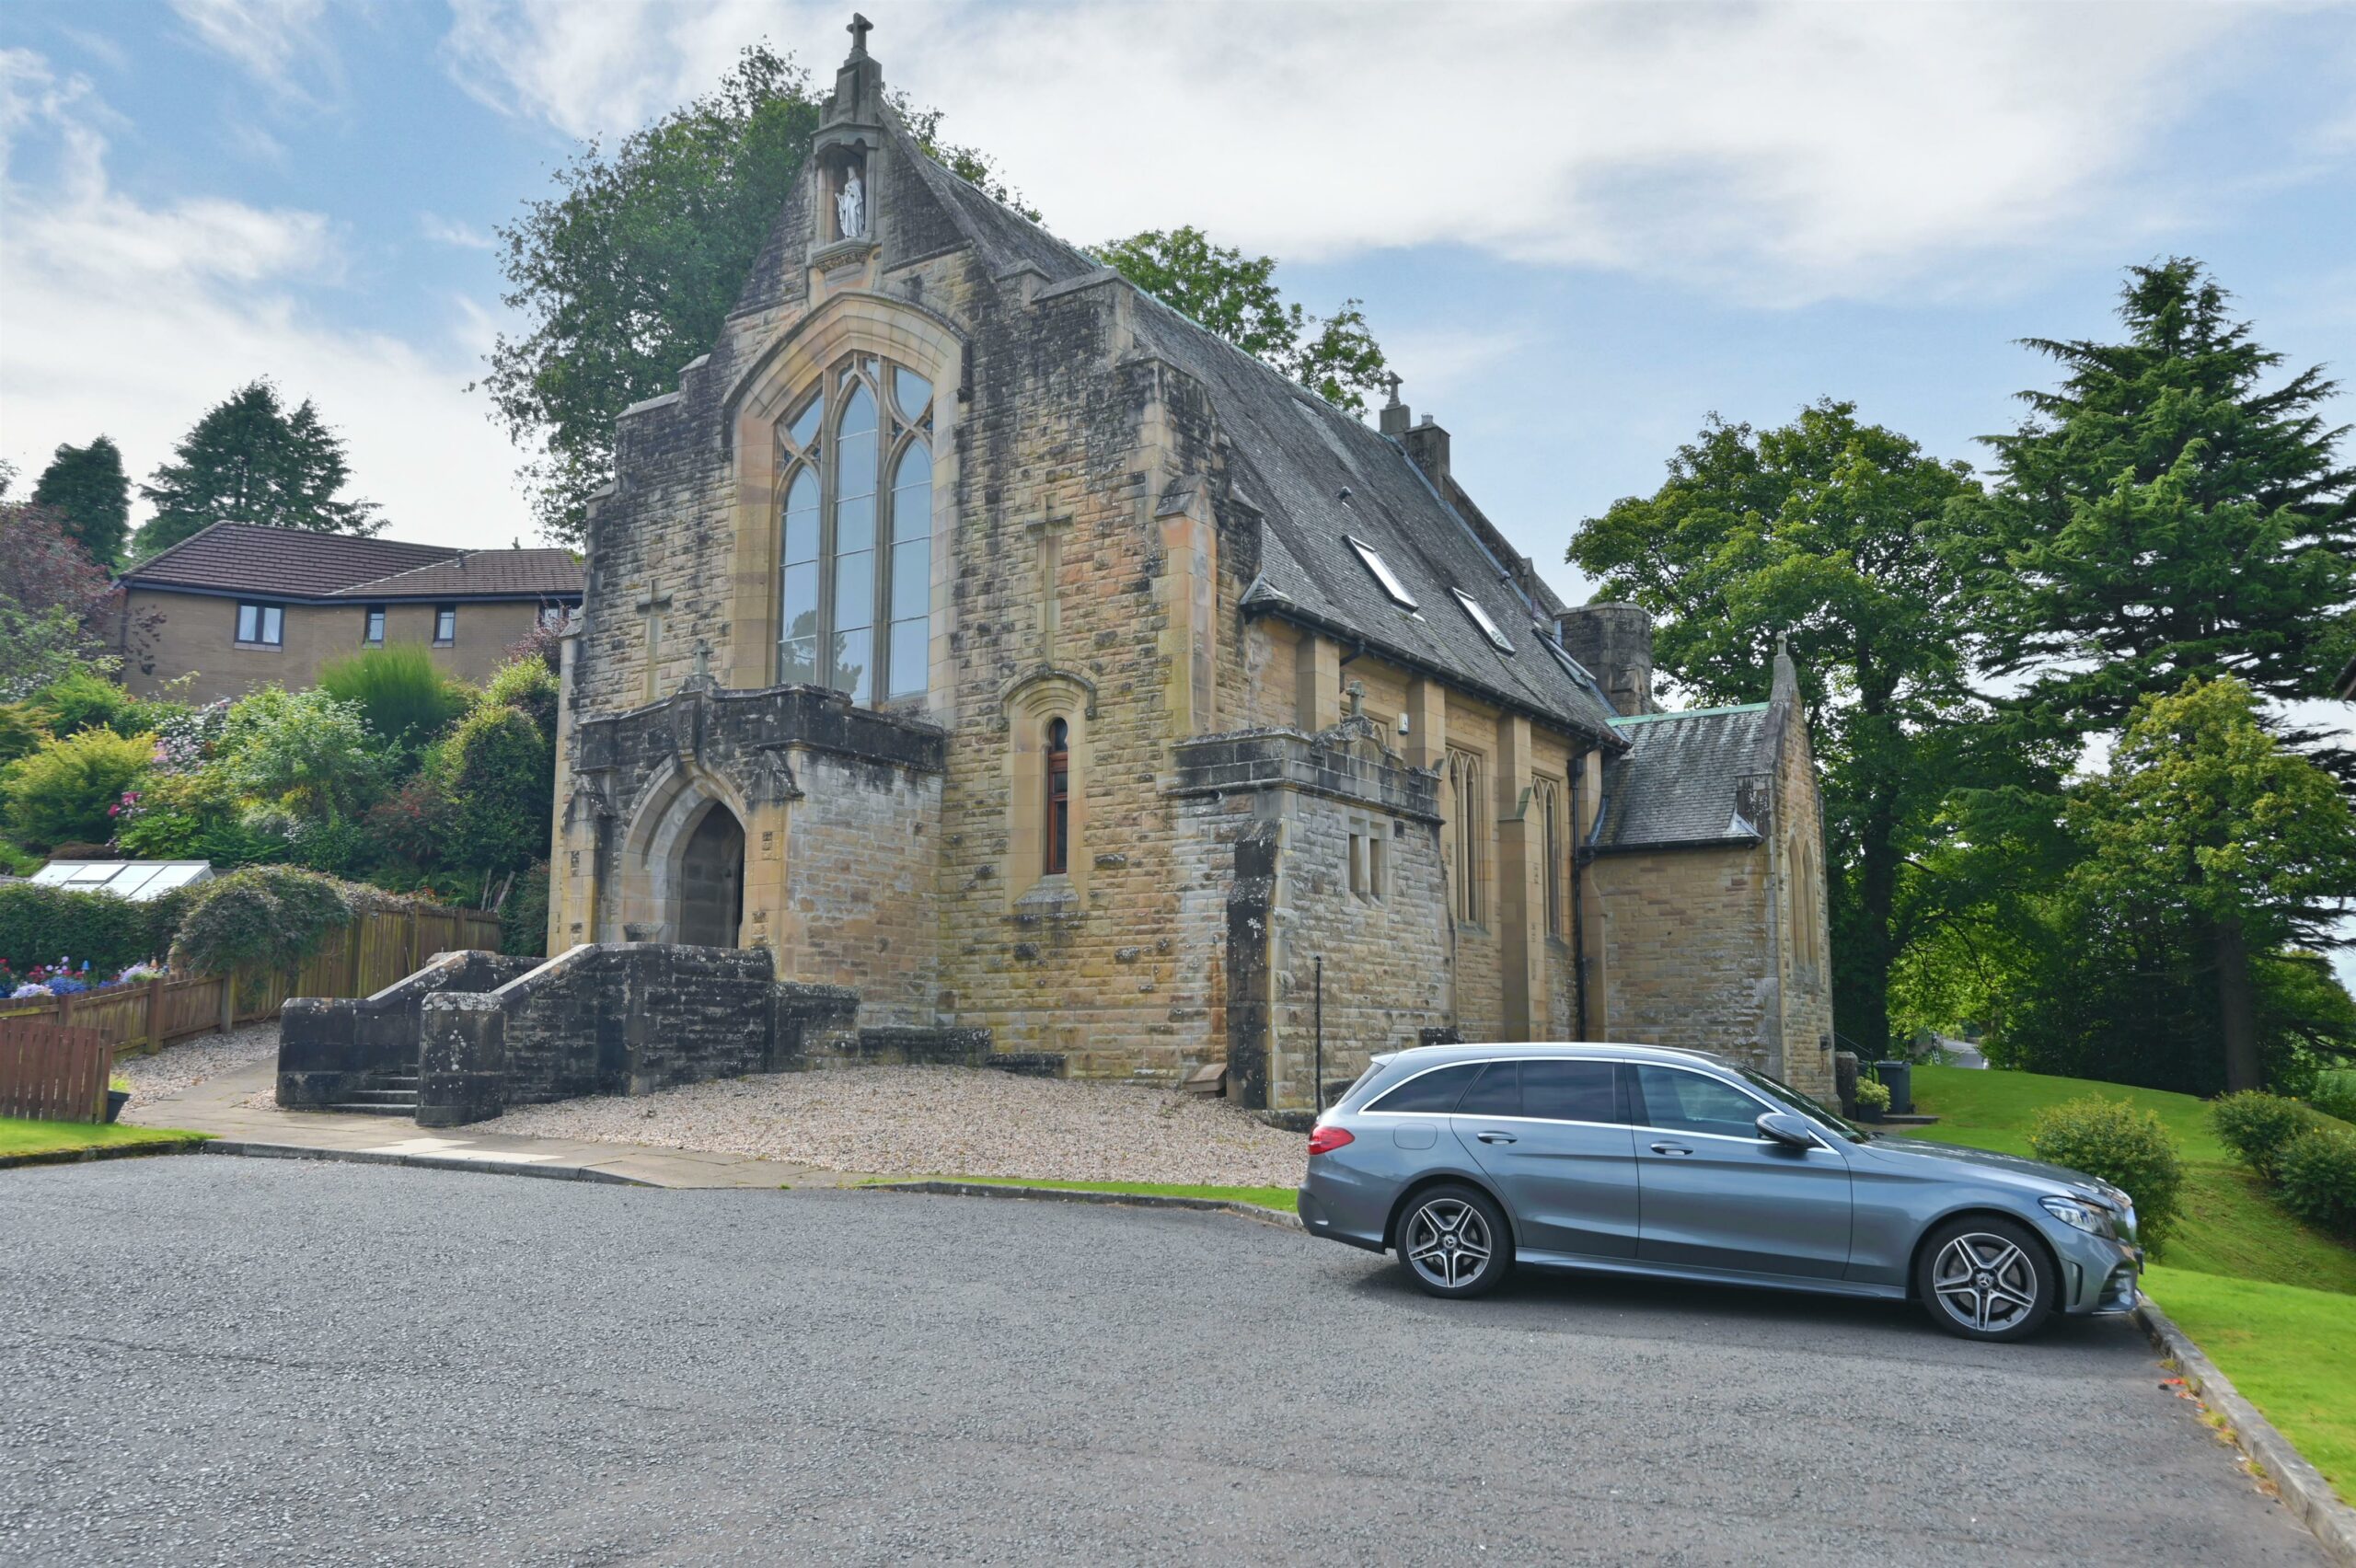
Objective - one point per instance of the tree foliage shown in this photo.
(1235, 295)
(89, 490)
(1830, 532)
(248, 460)
(66, 791)
(2163, 515)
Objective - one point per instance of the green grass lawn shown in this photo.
(22, 1137)
(1267, 1197)
(2272, 1301)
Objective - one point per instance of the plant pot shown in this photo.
(116, 1100)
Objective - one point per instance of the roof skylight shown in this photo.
(1481, 618)
(1382, 572)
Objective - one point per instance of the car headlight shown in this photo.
(2079, 1216)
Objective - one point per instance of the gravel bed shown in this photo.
(191, 1061)
(942, 1122)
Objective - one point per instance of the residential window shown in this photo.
(371, 631)
(552, 617)
(1382, 572)
(446, 625)
(1058, 823)
(1481, 618)
(855, 581)
(264, 624)
(1546, 801)
(1469, 832)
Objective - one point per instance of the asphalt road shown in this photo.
(207, 1359)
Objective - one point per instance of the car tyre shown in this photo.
(1982, 1277)
(1453, 1241)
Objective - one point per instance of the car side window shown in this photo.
(1570, 1091)
(1690, 1102)
(1497, 1094)
(1436, 1091)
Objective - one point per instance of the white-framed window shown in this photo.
(371, 626)
(446, 625)
(855, 579)
(1382, 572)
(262, 624)
(1481, 618)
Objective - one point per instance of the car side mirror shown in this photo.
(1782, 1127)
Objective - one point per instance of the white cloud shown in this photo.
(456, 231)
(1801, 151)
(271, 41)
(133, 319)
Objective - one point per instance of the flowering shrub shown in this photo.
(29, 992)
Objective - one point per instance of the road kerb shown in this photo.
(250, 1149)
(1082, 1195)
(2302, 1487)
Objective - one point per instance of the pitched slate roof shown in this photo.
(526, 574)
(1676, 783)
(1294, 454)
(295, 563)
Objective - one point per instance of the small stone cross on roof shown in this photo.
(1391, 379)
(859, 29)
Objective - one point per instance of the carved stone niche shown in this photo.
(845, 193)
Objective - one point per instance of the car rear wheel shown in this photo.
(1453, 1241)
(1985, 1278)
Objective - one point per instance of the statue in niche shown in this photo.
(851, 205)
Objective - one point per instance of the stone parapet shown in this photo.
(1345, 763)
(329, 1048)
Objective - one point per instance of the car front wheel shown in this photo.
(1453, 1241)
(1985, 1278)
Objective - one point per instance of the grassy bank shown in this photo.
(2272, 1301)
(22, 1140)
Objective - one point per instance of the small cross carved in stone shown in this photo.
(1356, 691)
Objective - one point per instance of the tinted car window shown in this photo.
(1691, 1103)
(1435, 1090)
(1497, 1094)
(1570, 1091)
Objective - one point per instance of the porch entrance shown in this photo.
(711, 880)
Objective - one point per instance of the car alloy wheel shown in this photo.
(1454, 1242)
(1986, 1279)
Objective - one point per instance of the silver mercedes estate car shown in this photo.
(1468, 1160)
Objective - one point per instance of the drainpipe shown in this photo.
(1578, 898)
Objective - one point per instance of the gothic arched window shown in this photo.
(1471, 832)
(855, 583)
(1057, 827)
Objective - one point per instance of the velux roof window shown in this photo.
(1382, 572)
(1481, 618)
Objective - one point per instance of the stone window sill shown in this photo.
(260, 647)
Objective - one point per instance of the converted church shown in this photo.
(973, 631)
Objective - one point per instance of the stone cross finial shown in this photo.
(1390, 380)
(1356, 691)
(703, 661)
(859, 29)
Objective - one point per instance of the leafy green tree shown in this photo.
(248, 460)
(1235, 295)
(304, 754)
(89, 490)
(51, 594)
(1830, 532)
(627, 272)
(2206, 824)
(502, 782)
(2164, 515)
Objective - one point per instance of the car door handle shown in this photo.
(1671, 1148)
(1495, 1138)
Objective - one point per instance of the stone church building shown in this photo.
(973, 631)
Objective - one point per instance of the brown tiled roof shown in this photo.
(539, 573)
(292, 563)
(245, 557)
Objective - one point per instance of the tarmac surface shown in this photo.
(211, 1360)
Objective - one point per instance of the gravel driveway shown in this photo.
(942, 1122)
(211, 1359)
(191, 1062)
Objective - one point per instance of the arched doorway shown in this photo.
(711, 880)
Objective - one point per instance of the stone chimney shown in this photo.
(1615, 643)
(1427, 445)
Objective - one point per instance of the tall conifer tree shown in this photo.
(250, 461)
(86, 488)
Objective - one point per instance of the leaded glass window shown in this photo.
(855, 561)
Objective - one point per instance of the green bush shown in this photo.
(502, 776)
(2334, 1093)
(2317, 1172)
(87, 701)
(40, 924)
(271, 918)
(21, 733)
(524, 919)
(397, 691)
(303, 751)
(68, 788)
(193, 816)
(528, 686)
(2128, 1148)
(2258, 1126)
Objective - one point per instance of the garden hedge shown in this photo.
(2129, 1149)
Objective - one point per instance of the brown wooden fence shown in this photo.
(358, 961)
(52, 1074)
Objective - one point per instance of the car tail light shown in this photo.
(1325, 1140)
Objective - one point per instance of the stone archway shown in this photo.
(710, 884)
